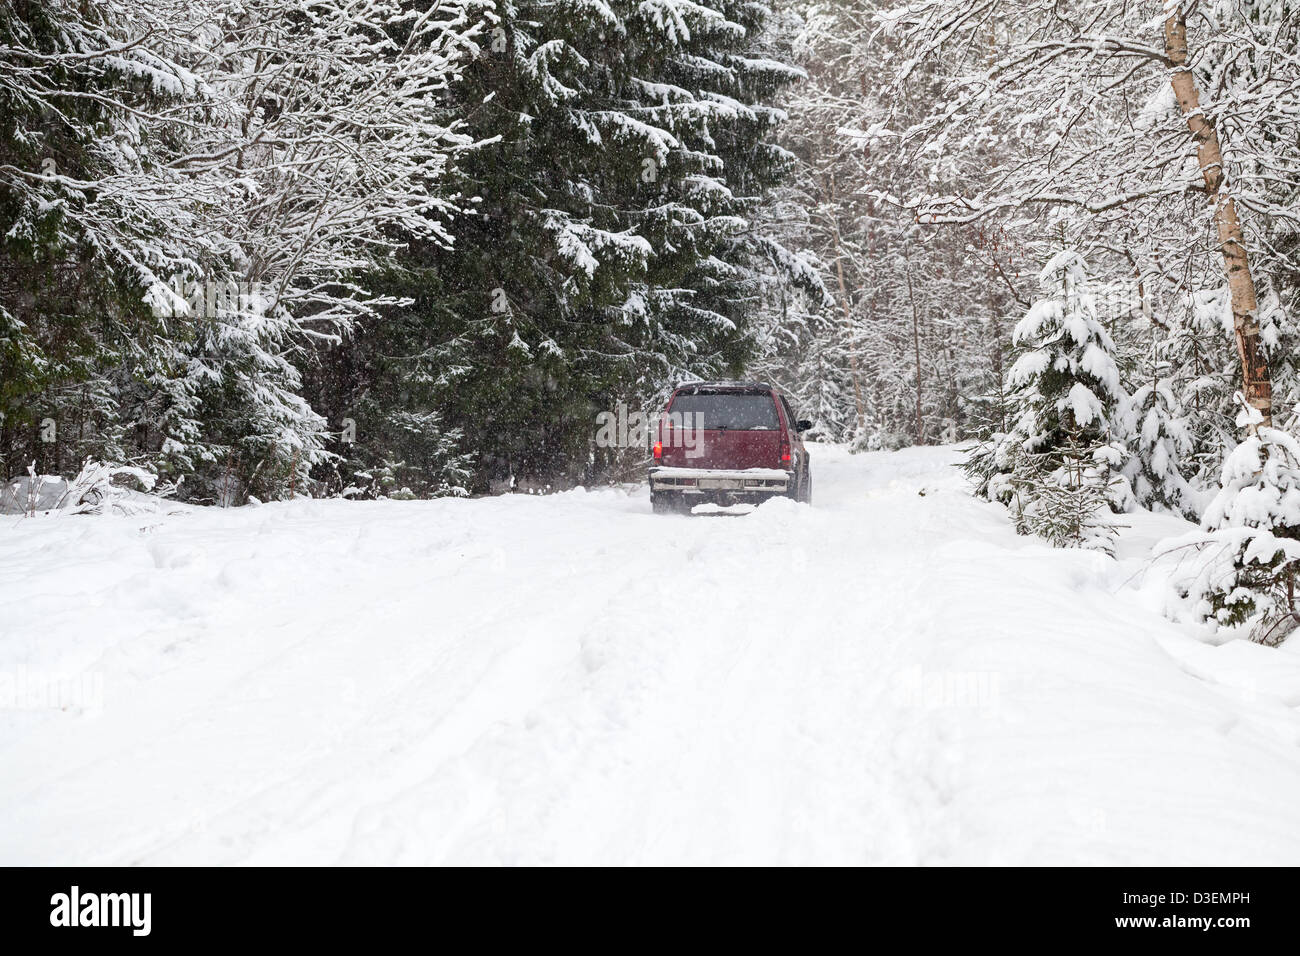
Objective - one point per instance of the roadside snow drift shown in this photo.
(889, 676)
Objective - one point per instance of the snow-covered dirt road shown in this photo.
(890, 676)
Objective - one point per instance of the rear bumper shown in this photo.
(708, 483)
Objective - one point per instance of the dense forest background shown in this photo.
(409, 247)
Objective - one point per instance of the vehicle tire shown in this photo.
(663, 503)
(804, 488)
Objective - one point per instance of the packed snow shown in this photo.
(889, 677)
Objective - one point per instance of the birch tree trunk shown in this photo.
(1256, 383)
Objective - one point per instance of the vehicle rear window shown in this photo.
(736, 411)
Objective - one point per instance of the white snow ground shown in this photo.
(891, 676)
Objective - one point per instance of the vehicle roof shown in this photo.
(726, 383)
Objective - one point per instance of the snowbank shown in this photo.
(97, 489)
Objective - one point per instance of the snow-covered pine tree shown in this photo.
(610, 249)
(93, 216)
(1243, 561)
(1204, 365)
(1058, 468)
(1155, 425)
(1064, 496)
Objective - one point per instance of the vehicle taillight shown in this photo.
(659, 450)
(785, 451)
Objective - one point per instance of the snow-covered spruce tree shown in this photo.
(1065, 496)
(1243, 561)
(610, 249)
(381, 389)
(1155, 424)
(1205, 366)
(416, 458)
(93, 214)
(1057, 468)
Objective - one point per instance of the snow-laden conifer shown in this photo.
(1155, 426)
(1239, 569)
(1058, 468)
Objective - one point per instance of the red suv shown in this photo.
(727, 443)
